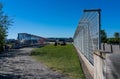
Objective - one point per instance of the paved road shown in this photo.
(18, 64)
(113, 66)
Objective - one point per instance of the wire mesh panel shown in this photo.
(87, 36)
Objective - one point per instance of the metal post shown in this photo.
(99, 12)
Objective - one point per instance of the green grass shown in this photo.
(62, 59)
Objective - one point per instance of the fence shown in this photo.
(99, 64)
(86, 37)
(96, 63)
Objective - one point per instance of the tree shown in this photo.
(117, 35)
(115, 39)
(5, 21)
(103, 36)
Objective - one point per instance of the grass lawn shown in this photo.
(62, 59)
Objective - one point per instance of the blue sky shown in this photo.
(58, 18)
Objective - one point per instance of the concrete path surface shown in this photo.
(18, 64)
(113, 66)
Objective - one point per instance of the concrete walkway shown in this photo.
(113, 66)
(19, 65)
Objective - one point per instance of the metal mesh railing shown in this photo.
(87, 36)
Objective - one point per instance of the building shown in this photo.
(29, 39)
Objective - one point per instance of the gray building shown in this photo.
(29, 39)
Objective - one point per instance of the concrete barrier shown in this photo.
(106, 63)
(87, 67)
(100, 64)
(110, 48)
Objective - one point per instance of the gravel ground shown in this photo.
(17, 64)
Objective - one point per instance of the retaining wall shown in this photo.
(106, 63)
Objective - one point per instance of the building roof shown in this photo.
(32, 35)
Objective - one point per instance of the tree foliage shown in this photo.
(5, 21)
(115, 40)
(103, 36)
(117, 35)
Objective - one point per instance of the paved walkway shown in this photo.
(19, 65)
(113, 66)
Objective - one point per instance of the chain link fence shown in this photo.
(87, 37)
